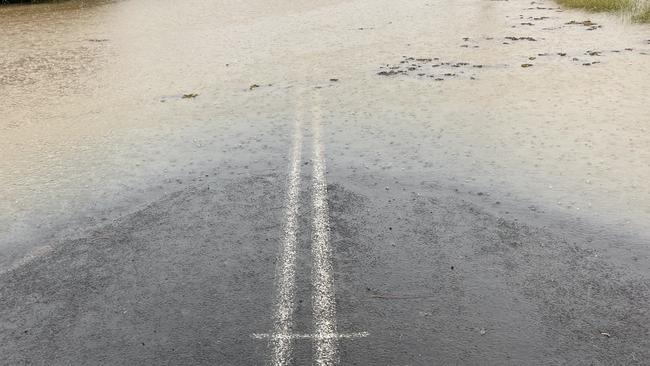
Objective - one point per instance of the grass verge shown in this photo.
(643, 16)
(640, 14)
(597, 5)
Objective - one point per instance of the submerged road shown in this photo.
(331, 183)
(288, 268)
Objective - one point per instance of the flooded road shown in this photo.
(165, 129)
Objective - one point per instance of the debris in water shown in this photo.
(483, 331)
(254, 86)
(587, 23)
(605, 334)
(531, 39)
(189, 96)
(391, 72)
(526, 65)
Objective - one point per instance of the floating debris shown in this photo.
(531, 39)
(587, 23)
(254, 86)
(391, 72)
(526, 65)
(189, 96)
(430, 67)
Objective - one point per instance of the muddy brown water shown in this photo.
(92, 113)
(517, 110)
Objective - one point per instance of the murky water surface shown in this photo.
(525, 102)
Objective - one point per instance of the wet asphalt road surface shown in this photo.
(328, 183)
(430, 275)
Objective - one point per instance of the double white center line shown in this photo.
(323, 301)
(325, 336)
(286, 276)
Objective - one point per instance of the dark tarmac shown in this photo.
(433, 278)
(475, 212)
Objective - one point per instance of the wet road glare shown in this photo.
(448, 130)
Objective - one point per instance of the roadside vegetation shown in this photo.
(640, 13)
(7, 2)
(644, 15)
(597, 5)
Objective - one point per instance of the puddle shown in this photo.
(96, 114)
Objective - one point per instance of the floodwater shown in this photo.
(531, 106)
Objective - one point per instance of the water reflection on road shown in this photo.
(93, 120)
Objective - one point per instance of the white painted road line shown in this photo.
(323, 298)
(311, 336)
(283, 317)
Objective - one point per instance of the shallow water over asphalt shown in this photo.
(504, 113)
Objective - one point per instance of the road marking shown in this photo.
(311, 336)
(323, 301)
(323, 297)
(283, 317)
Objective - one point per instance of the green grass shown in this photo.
(597, 5)
(643, 16)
